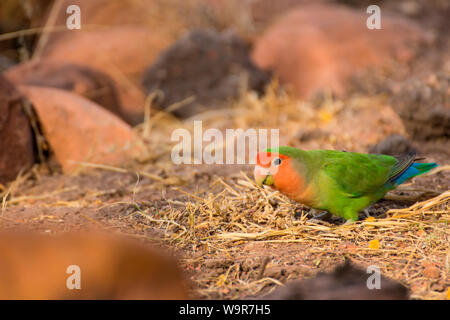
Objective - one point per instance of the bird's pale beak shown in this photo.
(263, 176)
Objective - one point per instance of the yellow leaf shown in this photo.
(370, 219)
(374, 244)
(222, 280)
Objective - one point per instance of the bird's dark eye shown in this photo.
(276, 161)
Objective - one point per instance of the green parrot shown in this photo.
(342, 183)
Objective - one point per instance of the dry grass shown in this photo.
(236, 212)
(244, 212)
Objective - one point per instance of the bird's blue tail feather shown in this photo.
(414, 170)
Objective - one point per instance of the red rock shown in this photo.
(120, 38)
(319, 46)
(79, 130)
(16, 137)
(36, 267)
(82, 80)
(122, 52)
(108, 13)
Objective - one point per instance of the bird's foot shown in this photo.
(367, 213)
(318, 215)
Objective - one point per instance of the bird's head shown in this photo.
(283, 169)
(271, 167)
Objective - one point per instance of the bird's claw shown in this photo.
(318, 215)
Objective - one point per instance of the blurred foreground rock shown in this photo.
(319, 46)
(78, 130)
(345, 283)
(16, 137)
(204, 65)
(423, 104)
(35, 266)
(82, 80)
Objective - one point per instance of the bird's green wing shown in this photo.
(357, 174)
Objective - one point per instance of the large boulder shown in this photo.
(320, 46)
(90, 83)
(120, 51)
(78, 130)
(120, 38)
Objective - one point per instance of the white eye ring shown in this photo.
(276, 162)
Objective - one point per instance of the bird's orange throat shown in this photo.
(289, 182)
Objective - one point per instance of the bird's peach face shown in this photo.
(268, 166)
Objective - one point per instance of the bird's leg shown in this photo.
(321, 215)
(367, 213)
(318, 214)
(348, 222)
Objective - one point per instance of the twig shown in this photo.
(55, 10)
(263, 268)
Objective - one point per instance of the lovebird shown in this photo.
(342, 183)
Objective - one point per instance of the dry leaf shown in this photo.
(374, 244)
(221, 281)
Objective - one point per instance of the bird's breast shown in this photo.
(296, 189)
